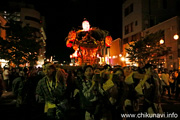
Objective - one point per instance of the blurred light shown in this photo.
(176, 36)
(85, 25)
(123, 59)
(71, 64)
(3, 62)
(97, 55)
(37, 66)
(161, 41)
(51, 59)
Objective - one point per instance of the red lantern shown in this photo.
(108, 41)
(68, 43)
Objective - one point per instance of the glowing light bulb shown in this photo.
(85, 25)
(176, 36)
(161, 41)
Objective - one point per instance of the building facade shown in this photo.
(142, 16)
(171, 28)
(115, 56)
(28, 16)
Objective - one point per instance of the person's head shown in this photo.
(97, 71)
(120, 73)
(61, 76)
(21, 73)
(88, 71)
(176, 73)
(107, 67)
(165, 70)
(141, 65)
(49, 69)
(127, 71)
(148, 68)
(79, 72)
(32, 71)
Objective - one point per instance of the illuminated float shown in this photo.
(87, 43)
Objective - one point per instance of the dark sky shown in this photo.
(61, 16)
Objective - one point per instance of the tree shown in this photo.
(21, 44)
(147, 49)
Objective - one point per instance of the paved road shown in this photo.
(9, 111)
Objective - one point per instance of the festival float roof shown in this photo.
(87, 43)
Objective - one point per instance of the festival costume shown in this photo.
(52, 92)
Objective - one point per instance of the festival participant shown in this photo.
(24, 88)
(1, 86)
(127, 71)
(6, 78)
(106, 75)
(165, 80)
(177, 85)
(93, 95)
(1, 82)
(89, 92)
(79, 78)
(51, 90)
(149, 86)
(132, 80)
(121, 94)
(78, 96)
(108, 92)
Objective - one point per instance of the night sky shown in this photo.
(61, 16)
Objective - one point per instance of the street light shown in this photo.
(176, 36)
(123, 59)
(161, 41)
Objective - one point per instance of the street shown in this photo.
(9, 111)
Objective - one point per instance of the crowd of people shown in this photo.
(97, 93)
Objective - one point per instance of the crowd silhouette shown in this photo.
(89, 92)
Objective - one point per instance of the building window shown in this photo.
(126, 29)
(128, 10)
(136, 23)
(129, 28)
(134, 38)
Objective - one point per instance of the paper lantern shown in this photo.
(85, 25)
(108, 41)
(69, 43)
